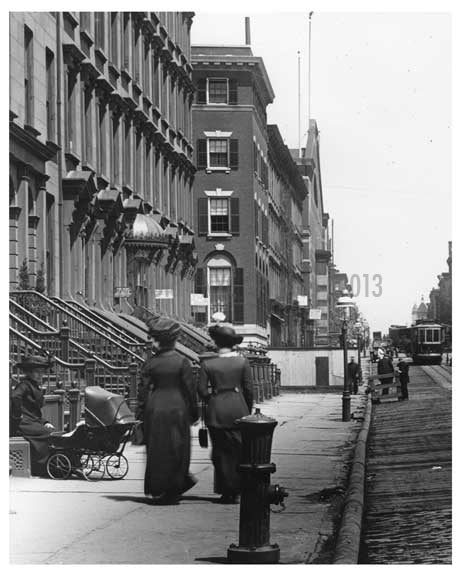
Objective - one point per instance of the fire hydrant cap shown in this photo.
(256, 418)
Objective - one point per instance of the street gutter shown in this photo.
(348, 541)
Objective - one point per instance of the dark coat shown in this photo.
(385, 366)
(226, 385)
(353, 371)
(404, 371)
(168, 407)
(27, 421)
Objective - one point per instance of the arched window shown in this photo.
(220, 286)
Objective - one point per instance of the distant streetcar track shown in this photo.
(408, 517)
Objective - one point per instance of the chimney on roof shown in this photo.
(247, 31)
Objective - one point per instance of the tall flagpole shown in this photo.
(309, 77)
(299, 104)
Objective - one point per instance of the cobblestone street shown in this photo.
(408, 518)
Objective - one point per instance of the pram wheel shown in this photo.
(86, 466)
(58, 466)
(117, 466)
(93, 467)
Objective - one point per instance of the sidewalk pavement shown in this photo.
(109, 522)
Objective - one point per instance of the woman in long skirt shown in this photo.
(226, 386)
(168, 408)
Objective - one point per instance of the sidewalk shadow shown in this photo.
(213, 560)
(145, 500)
(137, 499)
(200, 498)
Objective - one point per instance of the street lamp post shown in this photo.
(346, 391)
(345, 303)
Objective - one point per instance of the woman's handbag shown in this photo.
(203, 432)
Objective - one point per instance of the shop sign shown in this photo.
(122, 292)
(315, 314)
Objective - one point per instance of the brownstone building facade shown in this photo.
(101, 166)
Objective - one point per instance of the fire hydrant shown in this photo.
(256, 493)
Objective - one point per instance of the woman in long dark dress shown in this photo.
(26, 412)
(168, 408)
(226, 386)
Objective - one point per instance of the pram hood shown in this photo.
(103, 408)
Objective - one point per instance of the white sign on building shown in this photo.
(164, 294)
(199, 300)
(315, 314)
(302, 300)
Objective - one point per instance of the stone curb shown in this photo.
(348, 541)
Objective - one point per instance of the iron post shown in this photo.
(346, 391)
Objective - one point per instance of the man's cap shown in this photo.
(34, 361)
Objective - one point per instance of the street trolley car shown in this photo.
(427, 342)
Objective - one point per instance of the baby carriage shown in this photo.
(95, 447)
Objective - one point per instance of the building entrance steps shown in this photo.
(109, 522)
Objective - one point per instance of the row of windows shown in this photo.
(260, 166)
(262, 298)
(168, 95)
(119, 34)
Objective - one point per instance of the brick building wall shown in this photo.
(231, 189)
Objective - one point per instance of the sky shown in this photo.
(381, 96)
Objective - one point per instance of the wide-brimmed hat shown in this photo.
(29, 362)
(161, 327)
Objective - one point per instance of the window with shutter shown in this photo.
(200, 281)
(202, 216)
(201, 154)
(238, 296)
(233, 92)
(201, 91)
(235, 216)
(234, 154)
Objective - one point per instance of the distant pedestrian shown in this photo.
(26, 417)
(403, 369)
(226, 386)
(385, 366)
(168, 407)
(354, 375)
